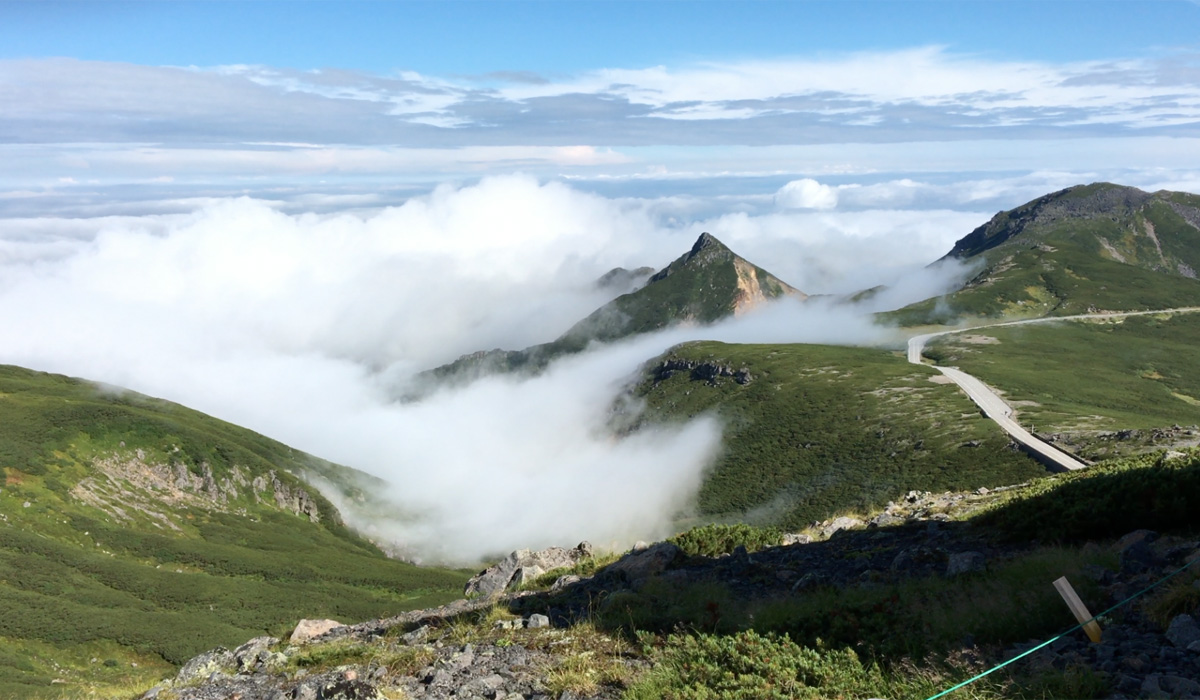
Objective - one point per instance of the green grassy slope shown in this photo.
(1099, 246)
(820, 430)
(1088, 377)
(99, 559)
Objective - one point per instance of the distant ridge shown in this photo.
(1090, 247)
(704, 285)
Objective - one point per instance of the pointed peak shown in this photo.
(707, 240)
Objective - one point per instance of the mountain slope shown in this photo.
(812, 431)
(134, 530)
(708, 283)
(1089, 247)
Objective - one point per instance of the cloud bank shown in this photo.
(296, 325)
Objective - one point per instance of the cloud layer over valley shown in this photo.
(299, 325)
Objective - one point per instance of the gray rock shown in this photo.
(219, 660)
(1136, 558)
(416, 636)
(256, 654)
(1135, 537)
(537, 622)
(1183, 631)
(795, 538)
(640, 565)
(842, 523)
(886, 520)
(307, 630)
(961, 563)
(563, 581)
(522, 566)
(1161, 685)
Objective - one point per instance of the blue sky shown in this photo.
(465, 37)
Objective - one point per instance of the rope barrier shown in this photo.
(1054, 639)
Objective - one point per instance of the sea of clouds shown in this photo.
(301, 325)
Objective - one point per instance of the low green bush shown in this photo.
(716, 540)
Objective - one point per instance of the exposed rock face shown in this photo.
(294, 499)
(131, 483)
(523, 566)
(708, 372)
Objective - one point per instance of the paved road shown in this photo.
(994, 407)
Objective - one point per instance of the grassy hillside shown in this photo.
(135, 533)
(1089, 377)
(1099, 246)
(819, 430)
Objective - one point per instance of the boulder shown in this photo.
(219, 660)
(640, 565)
(795, 538)
(256, 655)
(1183, 631)
(523, 566)
(537, 622)
(961, 563)
(842, 523)
(307, 630)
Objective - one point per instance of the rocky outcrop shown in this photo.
(522, 567)
(130, 483)
(1136, 655)
(294, 499)
(708, 372)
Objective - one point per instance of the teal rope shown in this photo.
(1048, 642)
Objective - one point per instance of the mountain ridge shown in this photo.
(706, 284)
(1085, 248)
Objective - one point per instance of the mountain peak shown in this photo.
(707, 241)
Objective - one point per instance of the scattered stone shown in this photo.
(537, 622)
(795, 538)
(307, 630)
(416, 636)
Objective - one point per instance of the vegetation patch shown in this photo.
(823, 430)
(717, 540)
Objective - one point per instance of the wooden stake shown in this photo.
(1082, 616)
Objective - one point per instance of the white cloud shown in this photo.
(806, 194)
(297, 325)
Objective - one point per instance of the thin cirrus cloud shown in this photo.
(893, 94)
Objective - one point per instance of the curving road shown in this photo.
(994, 407)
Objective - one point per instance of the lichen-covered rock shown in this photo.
(217, 661)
